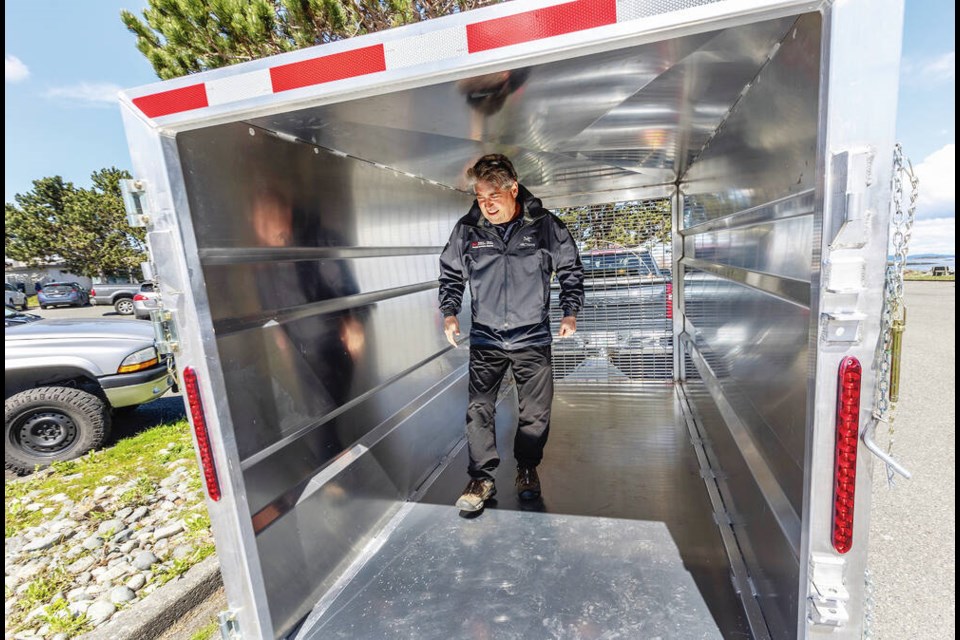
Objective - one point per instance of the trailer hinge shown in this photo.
(135, 201)
(229, 627)
(827, 596)
(165, 331)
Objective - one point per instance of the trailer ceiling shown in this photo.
(621, 120)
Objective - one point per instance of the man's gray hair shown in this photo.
(494, 168)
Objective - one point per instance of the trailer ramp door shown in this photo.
(622, 544)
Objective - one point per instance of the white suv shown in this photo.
(13, 297)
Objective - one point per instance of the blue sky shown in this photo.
(65, 61)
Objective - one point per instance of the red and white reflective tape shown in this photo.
(444, 44)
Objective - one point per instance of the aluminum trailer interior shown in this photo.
(297, 205)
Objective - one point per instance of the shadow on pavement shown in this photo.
(130, 422)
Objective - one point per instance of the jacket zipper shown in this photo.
(505, 254)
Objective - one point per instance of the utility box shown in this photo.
(296, 207)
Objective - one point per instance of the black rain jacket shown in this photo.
(510, 282)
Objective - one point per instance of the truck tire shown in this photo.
(124, 306)
(50, 424)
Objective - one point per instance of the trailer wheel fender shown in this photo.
(51, 424)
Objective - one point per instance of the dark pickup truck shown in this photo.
(118, 295)
(625, 328)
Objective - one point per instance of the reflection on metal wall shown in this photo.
(766, 148)
(624, 332)
(757, 347)
(748, 241)
(320, 273)
(626, 119)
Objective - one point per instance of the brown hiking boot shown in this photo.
(528, 483)
(478, 490)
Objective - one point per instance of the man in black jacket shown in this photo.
(507, 248)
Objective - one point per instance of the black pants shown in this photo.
(534, 375)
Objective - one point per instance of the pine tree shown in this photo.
(180, 37)
(85, 229)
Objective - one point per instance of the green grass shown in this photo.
(178, 567)
(60, 619)
(207, 632)
(923, 277)
(38, 593)
(137, 457)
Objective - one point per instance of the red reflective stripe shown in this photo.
(845, 465)
(173, 101)
(336, 66)
(207, 464)
(540, 23)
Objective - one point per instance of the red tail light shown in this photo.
(670, 300)
(845, 469)
(200, 429)
(139, 296)
(93, 292)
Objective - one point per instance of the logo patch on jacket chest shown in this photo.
(526, 242)
(482, 244)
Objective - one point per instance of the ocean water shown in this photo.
(926, 262)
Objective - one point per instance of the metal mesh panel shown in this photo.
(624, 331)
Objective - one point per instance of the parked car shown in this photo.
(12, 296)
(63, 377)
(145, 300)
(118, 295)
(55, 294)
(12, 317)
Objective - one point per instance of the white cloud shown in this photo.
(927, 71)
(937, 184)
(933, 236)
(90, 93)
(14, 69)
(941, 68)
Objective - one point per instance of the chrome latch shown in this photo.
(229, 627)
(135, 202)
(827, 595)
(165, 331)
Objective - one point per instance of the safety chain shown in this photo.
(894, 309)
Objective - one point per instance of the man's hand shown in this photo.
(451, 327)
(568, 326)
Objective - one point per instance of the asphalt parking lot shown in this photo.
(90, 311)
(912, 555)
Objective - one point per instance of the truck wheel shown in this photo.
(50, 424)
(124, 306)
